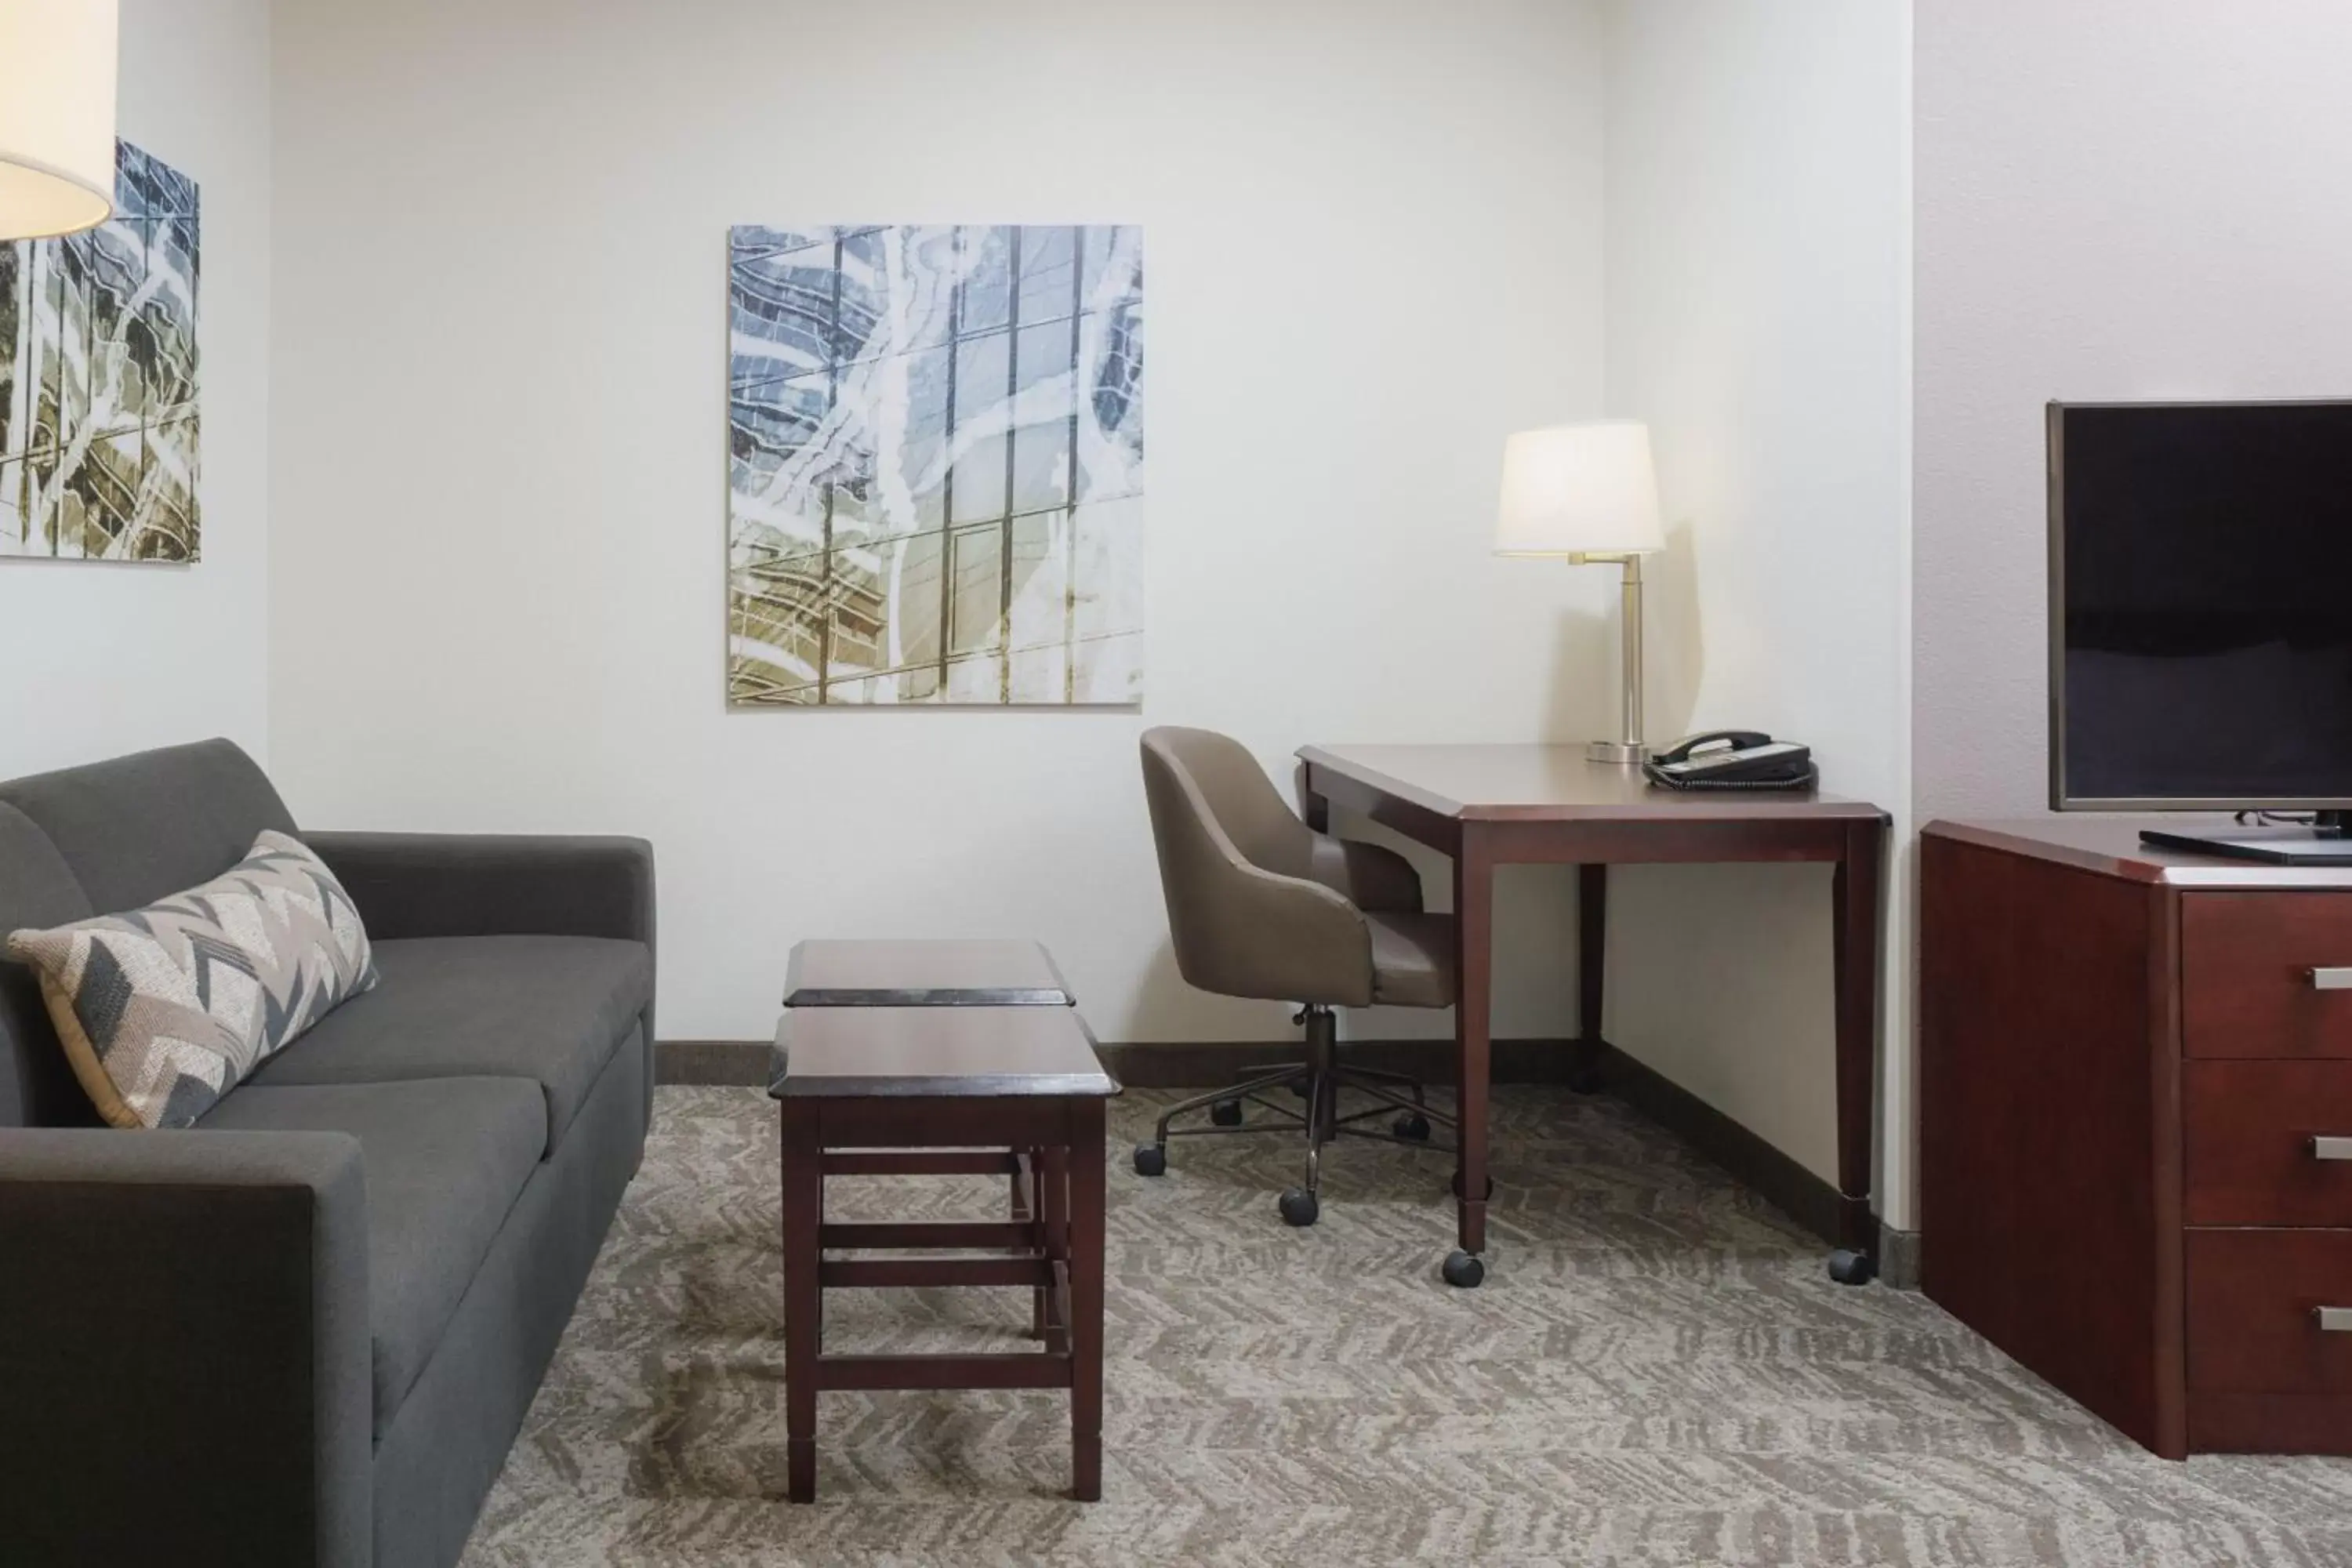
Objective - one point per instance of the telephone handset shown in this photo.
(1732, 759)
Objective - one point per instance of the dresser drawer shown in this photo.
(2267, 975)
(2269, 1143)
(2270, 1312)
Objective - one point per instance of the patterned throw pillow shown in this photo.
(165, 1009)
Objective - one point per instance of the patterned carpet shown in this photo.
(1656, 1372)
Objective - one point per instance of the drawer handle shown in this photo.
(2331, 980)
(2335, 1319)
(2325, 1148)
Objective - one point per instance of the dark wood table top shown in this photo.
(860, 1052)
(2110, 844)
(977, 972)
(1555, 784)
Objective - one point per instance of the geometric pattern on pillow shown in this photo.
(163, 1010)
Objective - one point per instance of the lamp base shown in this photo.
(1621, 753)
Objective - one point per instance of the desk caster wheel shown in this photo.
(1457, 1191)
(1464, 1271)
(1150, 1160)
(1848, 1267)
(1412, 1125)
(1226, 1113)
(1298, 1207)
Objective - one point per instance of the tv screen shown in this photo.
(2200, 605)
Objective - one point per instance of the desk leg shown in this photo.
(803, 1178)
(1855, 900)
(1591, 961)
(1473, 931)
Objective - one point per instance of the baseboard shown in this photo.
(1898, 1258)
(1805, 1197)
(1162, 1064)
(1166, 1064)
(739, 1063)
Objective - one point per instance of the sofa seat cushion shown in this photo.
(550, 1008)
(443, 1160)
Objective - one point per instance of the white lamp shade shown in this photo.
(57, 116)
(1579, 489)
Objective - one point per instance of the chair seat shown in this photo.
(552, 1009)
(444, 1161)
(1413, 960)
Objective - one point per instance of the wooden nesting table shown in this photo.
(943, 1058)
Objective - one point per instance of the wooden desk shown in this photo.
(1493, 805)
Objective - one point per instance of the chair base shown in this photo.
(1318, 1081)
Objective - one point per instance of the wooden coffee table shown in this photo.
(874, 1088)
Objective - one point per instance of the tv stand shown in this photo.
(2136, 1126)
(2324, 840)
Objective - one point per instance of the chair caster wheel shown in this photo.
(1464, 1271)
(1226, 1113)
(1457, 1189)
(1848, 1267)
(1299, 1206)
(1412, 1125)
(1150, 1160)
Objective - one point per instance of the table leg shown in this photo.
(1054, 1209)
(1854, 943)
(1029, 1208)
(1314, 809)
(1473, 921)
(803, 1187)
(1087, 1242)
(1591, 966)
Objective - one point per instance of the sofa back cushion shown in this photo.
(36, 889)
(138, 828)
(163, 1010)
(109, 836)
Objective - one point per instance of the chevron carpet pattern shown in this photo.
(1656, 1372)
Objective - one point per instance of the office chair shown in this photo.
(1261, 905)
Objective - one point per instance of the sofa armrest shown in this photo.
(183, 1348)
(448, 884)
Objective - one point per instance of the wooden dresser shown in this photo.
(2136, 1126)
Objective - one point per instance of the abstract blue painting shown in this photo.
(98, 378)
(936, 465)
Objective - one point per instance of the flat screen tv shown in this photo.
(2200, 594)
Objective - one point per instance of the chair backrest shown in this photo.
(1206, 773)
(1212, 806)
(97, 839)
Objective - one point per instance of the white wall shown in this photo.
(2117, 199)
(1373, 248)
(103, 658)
(1757, 214)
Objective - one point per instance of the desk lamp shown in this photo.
(1588, 492)
(57, 116)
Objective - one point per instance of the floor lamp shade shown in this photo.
(1575, 489)
(57, 116)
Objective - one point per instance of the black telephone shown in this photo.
(1732, 759)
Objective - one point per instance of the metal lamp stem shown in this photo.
(1628, 748)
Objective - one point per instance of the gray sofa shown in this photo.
(307, 1331)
